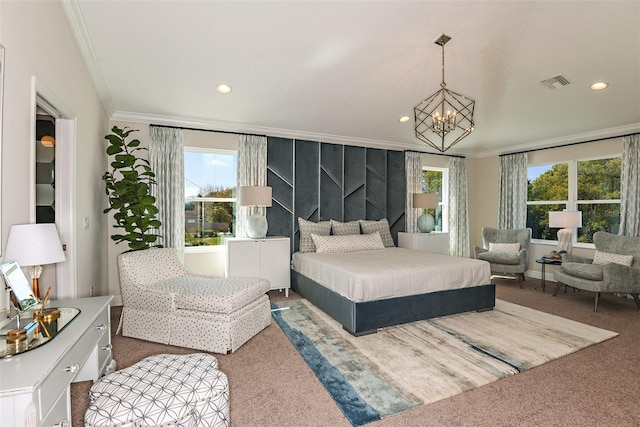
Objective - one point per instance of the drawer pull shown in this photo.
(63, 423)
(106, 347)
(73, 368)
(101, 327)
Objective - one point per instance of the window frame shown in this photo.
(572, 203)
(206, 150)
(444, 206)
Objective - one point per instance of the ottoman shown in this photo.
(162, 390)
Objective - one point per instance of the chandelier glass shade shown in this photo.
(446, 117)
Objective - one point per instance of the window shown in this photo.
(210, 196)
(436, 181)
(590, 186)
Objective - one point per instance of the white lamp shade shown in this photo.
(425, 200)
(255, 196)
(565, 219)
(34, 244)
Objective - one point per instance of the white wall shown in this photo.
(38, 42)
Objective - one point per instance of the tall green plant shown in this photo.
(128, 187)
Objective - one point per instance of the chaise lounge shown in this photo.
(164, 303)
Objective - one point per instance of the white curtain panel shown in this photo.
(458, 208)
(512, 199)
(630, 187)
(252, 170)
(166, 156)
(413, 172)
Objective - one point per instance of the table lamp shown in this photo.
(565, 220)
(425, 201)
(34, 245)
(258, 196)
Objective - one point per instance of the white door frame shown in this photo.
(65, 183)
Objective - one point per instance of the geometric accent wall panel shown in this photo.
(354, 183)
(396, 192)
(331, 182)
(280, 179)
(376, 183)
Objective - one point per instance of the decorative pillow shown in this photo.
(603, 258)
(347, 243)
(382, 227)
(582, 270)
(510, 248)
(343, 228)
(322, 228)
(495, 257)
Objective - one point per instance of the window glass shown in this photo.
(435, 181)
(210, 191)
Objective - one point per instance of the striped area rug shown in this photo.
(401, 367)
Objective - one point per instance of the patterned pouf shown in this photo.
(162, 390)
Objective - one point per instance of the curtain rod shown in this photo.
(207, 130)
(570, 144)
(435, 154)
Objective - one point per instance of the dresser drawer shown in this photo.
(59, 414)
(69, 366)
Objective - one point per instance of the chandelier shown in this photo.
(444, 115)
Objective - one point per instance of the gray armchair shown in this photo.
(505, 262)
(580, 273)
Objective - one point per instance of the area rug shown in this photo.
(401, 367)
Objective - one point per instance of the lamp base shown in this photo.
(257, 226)
(565, 240)
(426, 223)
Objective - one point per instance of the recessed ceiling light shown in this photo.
(404, 119)
(223, 88)
(599, 85)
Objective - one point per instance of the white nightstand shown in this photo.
(267, 258)
(428, 242)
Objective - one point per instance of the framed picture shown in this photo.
(17, 281)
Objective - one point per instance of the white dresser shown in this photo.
(267, 258)
(34, 386)
(428, 242)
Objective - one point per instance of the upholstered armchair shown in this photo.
(507, 251)
(615, 267)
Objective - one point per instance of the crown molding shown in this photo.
(81, 33)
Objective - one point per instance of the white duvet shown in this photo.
(391, 272)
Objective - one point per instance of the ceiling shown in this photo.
(345, 71)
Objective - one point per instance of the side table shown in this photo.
(544, 262)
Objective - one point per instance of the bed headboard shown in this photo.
(320, 181)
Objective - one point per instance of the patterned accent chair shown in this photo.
(163, 302)
(514, 260)
(614, 269)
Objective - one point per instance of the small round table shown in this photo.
(544, 262)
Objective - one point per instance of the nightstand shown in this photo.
(267, 258)
(428, 242)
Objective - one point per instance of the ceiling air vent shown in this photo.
(556, 81)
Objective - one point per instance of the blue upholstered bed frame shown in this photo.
(362, 318)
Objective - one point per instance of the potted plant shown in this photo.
(128, 186)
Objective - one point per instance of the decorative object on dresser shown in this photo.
(507, 251)
(428, 242)
(34, 386)
(256, 196)
(565, 220)
(425, 201)
(615, 267)
(268, 258)
(34, 245)
(163, 302)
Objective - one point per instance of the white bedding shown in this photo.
(389, 273)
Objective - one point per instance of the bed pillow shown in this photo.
(382, 227)
(347, 243)
(509, 248)
(602, 258)
(344, 228)
(322, 228)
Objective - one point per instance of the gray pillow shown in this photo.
(345, 228)
(382, 227)
(500, 257)
(583, 271)
(322, 228)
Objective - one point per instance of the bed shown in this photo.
(370, 289)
